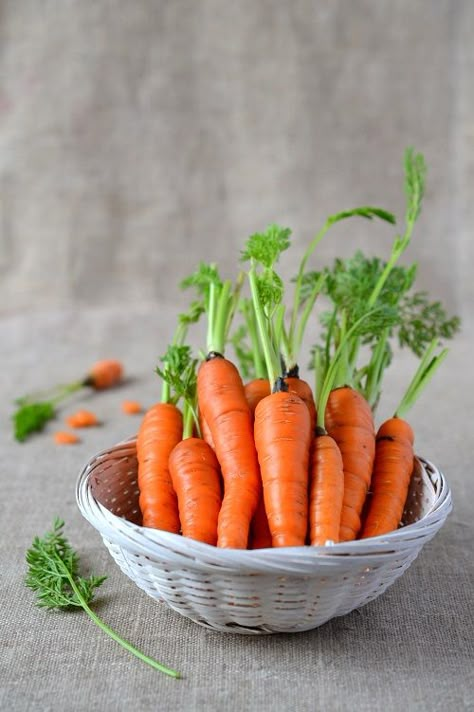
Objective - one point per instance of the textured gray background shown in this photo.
(137, 138)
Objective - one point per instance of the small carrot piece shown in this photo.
(131, 407)
(348, 419)
(160, 431)
(222, 403)
(326, 491)
(255, 390)
(195, 474)
(104, 374)
(62, 437)
(82, 419)
(391, 478)
(282, 439)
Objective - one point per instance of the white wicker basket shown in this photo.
(261, 591)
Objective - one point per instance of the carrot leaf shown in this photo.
(53, 574)
(32, 417)
(266, 247)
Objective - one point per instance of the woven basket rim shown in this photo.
(287, 560)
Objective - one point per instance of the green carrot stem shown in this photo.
(366, 212)
(427, 367)
(271, 357)
(296, 341)
(375, 369)
(332, 370)
(189, 420)
(115, 636)
(252, 329)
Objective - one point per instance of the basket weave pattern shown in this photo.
(262, 591)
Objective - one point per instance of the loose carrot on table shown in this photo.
(131, 407)
(394, 455)
(62, 437)
(82, 419)
(36, 409)
(282, 421)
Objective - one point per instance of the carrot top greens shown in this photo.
(53, 573)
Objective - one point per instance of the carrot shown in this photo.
(195, 474)
(282, 426)
(131, 407)
(394, 455)
(206, 431)
(391, 478)
(64, 438)
(302, 389)
(104, 374)
(326, 490)
(36, 409)
(260, 535)
(282, 439)
(223, 404)
(255, 390)
(160, 431)
(349, 421)
(82, 419)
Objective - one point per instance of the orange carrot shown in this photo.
(260, 535)
(206, 431)
(391, 478)
(104, 374)
(302, 389)
(349, 421)
(195, 474)
(394, 454)
(131, 407)
(64, 438)
(255, 390)
(222, 402)
(326, 490)
(82, 419)
(160, 431)
(282, 439)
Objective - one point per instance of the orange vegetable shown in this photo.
(256, 390)
(260, 535)
(391, 478)
(222, 403)
(82, 419)
(206, 432)
(349, 421)
(160, 431)
(195, 474)
(282, 439)
(104, 374)
(302, 389)
(326, 491)
(62, 437)
(131, 407)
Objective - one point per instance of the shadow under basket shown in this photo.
(261, 591)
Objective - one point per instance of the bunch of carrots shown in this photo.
(252, 456)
